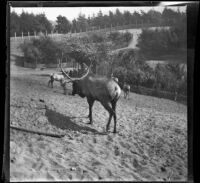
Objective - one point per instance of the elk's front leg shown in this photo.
(90, 102)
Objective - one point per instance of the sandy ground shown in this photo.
(151, 143)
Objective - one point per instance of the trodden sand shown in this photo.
(150, 144)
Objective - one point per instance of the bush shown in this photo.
(31, 52)
(97, 37)
(44, 50)
(167, 77)
(154, 44)
(120, 39)
(120, 73)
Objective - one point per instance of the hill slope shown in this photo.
(151, 143)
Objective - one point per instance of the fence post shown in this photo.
(35, 34)
(22, 35)
(15, 35)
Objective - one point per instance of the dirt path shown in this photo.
(151, 143)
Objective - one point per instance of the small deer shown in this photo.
(126, 89)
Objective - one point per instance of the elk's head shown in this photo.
(77, 83)
(77, 89)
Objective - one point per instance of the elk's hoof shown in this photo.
(107, 129)
(114, 131)
(90, 123)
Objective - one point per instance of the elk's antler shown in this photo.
(73, 79)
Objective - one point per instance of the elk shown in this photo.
(55, 77)
(126, 89)
(175, 95)
(114, 78)
(96, 88)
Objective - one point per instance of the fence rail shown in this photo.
(29, 35)
(159, 93)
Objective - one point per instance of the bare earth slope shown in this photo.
(151, 143)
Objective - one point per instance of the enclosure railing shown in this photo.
(29, 35)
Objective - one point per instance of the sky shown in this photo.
(72, 12)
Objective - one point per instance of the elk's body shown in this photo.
(115, 79)
(55, 77)
(126, 89)
(175, 95)
(105, 90)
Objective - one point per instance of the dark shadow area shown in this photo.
(79, 117)
(44, 75)
(19, 60)
(65, 122)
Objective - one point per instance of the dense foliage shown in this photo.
(168, 77)
(29, 22)
(120, 40)
(158, 43)
(42, 50)
(95, 49)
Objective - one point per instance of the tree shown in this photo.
(118, 17)
(136, 17)
(127, 17)
(89, 21)
(169, 16)
(111, 18)
(63, 25)
(82, 23)
(44, 23)
(26, 21)
(74, 25)
(154, 16)
(14, 24)
(29, 23)
(99, 18)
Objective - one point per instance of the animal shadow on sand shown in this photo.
(43, 75)
(65, 122)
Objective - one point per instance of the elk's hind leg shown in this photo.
(114, 103)
(111, 113)
(49, 82)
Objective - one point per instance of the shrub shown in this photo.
(120, 39)
(156, 43)
(31, 52)
(97, 37)
(44, 50)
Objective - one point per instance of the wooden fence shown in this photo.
(159, 93)
(38, 65)
(29, 35)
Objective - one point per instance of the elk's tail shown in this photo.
(117, 93)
